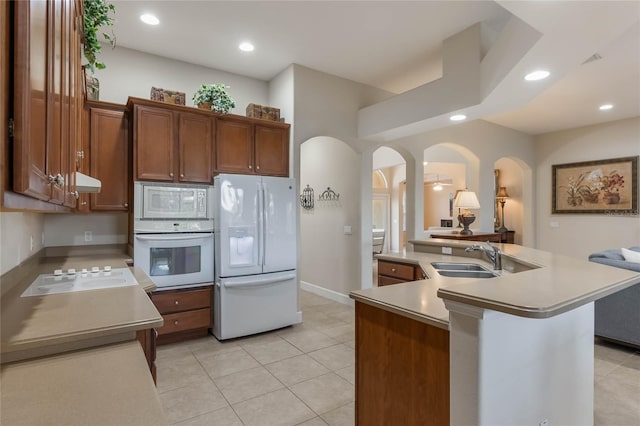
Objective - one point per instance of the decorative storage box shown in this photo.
(263, 112)
(167, 96)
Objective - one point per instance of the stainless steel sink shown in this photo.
(452, 266)
(467, 274)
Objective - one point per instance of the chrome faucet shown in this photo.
(494, 255)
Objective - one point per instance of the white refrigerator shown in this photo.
(256, 286)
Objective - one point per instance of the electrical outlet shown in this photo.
(347, 230)
(88, 236)
(447, 250)
(31, 242)
(42, 239)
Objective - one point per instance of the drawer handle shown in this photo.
(175, 322)
(393, 269)
(176, 302)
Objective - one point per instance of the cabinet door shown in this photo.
(195, 139)
(154, 143)
(30, 99)
(55, 102)
(72, 104)
(272, 150)
(234, 147)
(109, 156)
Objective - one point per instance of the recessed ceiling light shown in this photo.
(149, 19)
(245, 46)
(458, 117)
(537, 75)
(605, 107)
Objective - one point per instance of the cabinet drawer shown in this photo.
(383, 280)
(183, 300)
(396, 270)
(181, 321)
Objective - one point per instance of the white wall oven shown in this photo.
(173, 227)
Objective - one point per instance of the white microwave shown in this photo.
(161, 201)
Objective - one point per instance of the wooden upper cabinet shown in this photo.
(153, 143)
(109, 157)
(30, 99)
(244, 146)
(180, 144)
(195, 139)
(272, 150)
(234, 146)
(46, 62)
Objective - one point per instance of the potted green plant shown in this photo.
(214, 97)
(95, 15)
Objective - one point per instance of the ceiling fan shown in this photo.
(438, 185)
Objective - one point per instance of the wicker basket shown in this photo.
(263, 112)
(167, 96)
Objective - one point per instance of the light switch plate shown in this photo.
(347, 230)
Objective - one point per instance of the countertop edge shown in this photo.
(404, 312)
(532, 312)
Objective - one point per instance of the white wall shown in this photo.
(481, 144)
(581, 234)
(327, 106)
(132, 73)
(69, 229)
(329, 257)
(16, 232)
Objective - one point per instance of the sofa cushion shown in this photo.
(614, 257)
(631, 255)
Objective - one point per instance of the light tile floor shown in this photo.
(304, 375)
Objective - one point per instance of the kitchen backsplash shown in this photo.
(21, 237)
(85, 229)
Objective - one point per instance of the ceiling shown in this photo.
(396, 46)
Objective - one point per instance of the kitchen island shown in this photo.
(73, 358)
(514, 349)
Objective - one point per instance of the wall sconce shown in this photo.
(502, 198)
(307, 198)
(466, 200)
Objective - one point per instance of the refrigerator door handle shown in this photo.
(165, 237)
(261, 224)
(258, 282)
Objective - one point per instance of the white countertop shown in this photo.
(30, 323)
(109, 385)
(555, 285)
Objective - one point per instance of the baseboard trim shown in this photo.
(325, 292)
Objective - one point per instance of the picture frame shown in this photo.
(608, 187)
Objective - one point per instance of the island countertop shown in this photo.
(534, 284)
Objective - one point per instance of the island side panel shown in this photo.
(402, 370)
(510, 370)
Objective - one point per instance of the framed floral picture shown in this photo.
(601, 187)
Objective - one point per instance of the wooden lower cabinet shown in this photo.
(396, 272)
(186, 313)
(402, 370)
(147, 339)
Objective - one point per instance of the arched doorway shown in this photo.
(380, 212)
(389, 164)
